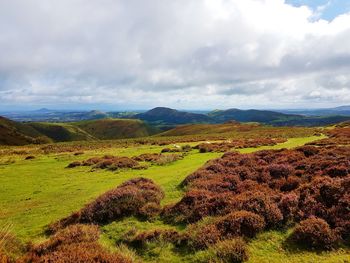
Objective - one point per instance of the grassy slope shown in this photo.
(15, 133)
(61, 132)
(232, 130)
(116, 128)
(39, 191)
(199, 129)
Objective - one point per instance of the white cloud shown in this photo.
(182, 53)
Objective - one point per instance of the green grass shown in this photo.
(37, 192)
(268, 247)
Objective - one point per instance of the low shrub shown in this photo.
(125, 200)
(186, 148)
(150, 210)
(74, 164)
(167, 158)
(165, 150)
(202, 235)
(72, 234)
(77, 252)
(280, 170)
(314, 233)
(261, 204)
(147, 157)
(240, 223)
(308, 150)
(230, 251)
(107, 162)
(76, 243)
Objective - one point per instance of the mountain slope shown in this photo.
(169, 116)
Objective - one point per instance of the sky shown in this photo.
(184, 54)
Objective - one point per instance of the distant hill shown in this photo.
(262, 116)
(162, 115)
(341, 110)
(312, 121)
(46, 115)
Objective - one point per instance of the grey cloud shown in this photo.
(184, 51)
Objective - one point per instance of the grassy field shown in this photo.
(39, 191)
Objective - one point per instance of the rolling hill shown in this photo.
(161, 115)
(116, 128)
(61, 132)
(262, 116)
(16, 133)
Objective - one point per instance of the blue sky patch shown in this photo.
(332, 8)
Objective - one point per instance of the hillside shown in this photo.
(61, 132)
(169, 116)
(116, 128)
(192, 129)
(15, 133)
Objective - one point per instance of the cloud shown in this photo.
(183, 54)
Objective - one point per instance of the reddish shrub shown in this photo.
(308, 150)
(76, 243)
(125, 200)
(150, 210)
(109, 162)
(74, 164)
(201, 236)
(337, 171)
(147, 157)
(280, 170)
(261, 204)
(77, 252)
(240, 223)
(314, 233)
(288, 205)
(290, 184)
(91, 161)
(72, 234)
